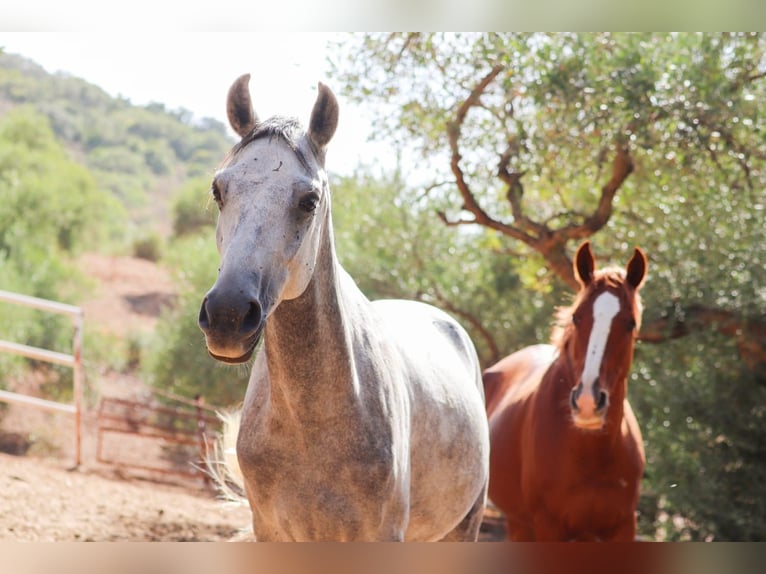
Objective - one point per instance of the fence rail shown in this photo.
(74, 361)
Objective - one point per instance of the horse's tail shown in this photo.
(223, 466)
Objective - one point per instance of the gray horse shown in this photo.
(361, 421)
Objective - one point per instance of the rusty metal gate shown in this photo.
(165, 439)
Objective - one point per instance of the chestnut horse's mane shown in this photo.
(610, 277)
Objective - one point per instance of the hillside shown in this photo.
(140, 154)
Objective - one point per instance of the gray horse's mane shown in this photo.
(287, 129)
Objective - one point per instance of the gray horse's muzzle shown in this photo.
(232, 321)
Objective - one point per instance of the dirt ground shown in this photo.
(43, 499)
(44, 502)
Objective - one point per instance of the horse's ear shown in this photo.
(239, 107)
(324, 117)
(636, 270)
(585, 264)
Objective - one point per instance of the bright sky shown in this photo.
(193, 70)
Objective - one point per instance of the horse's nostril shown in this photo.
(252, 319)
(203, 320)
(602, 398)
(573, 399)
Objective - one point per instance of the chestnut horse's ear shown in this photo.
(324, 117)
(585, 264)
(636, 270)
(239, 107)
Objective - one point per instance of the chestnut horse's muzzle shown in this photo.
(588, 408)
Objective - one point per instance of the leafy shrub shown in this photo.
(148, 247)
(192, 212)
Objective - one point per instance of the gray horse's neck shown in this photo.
(308, 342)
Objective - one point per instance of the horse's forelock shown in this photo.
(287, 129)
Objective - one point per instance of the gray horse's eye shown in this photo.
(308, 202)
(216, 193)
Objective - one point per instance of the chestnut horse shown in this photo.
(566, 455)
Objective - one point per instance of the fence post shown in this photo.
(77, 376)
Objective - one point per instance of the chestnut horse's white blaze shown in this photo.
(605, 308)
(361, 421)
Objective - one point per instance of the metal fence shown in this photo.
(187, 430)
(74, 361)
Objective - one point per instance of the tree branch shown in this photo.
(550, 243)
(453, 135)
(622, 167)
(750, 332)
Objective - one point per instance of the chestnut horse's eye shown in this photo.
(631, 324)
(308, 202)
(575, 319)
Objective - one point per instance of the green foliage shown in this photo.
(50, 211)
(704, 411)
(50, 203)
(192, 211)
(177, 361)
(148, 247)
(137, 153)
(690, 109)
